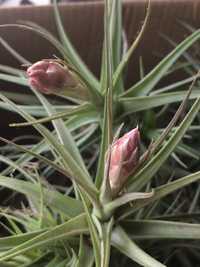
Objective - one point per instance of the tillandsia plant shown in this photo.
(114, 204)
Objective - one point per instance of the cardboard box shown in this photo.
(83, 22)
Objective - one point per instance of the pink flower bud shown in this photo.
(124, 159)
(48, 76)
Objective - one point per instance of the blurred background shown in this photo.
(32, 2)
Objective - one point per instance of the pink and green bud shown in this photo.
(48, 76)
(124, 159)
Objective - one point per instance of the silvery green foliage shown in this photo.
(77, 224)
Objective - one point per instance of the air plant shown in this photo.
(113, 205)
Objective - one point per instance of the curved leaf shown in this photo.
(76, 171)
(130, 51)
(149, 170)
(72, 55)
(144, 86)
(70, 207)
(73, 227)
(123, 243)
(162, 191)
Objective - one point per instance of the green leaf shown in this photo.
(54, 262)
(93, 230)
(188, 151)
(149, 170)
(107, 134)
(82, 119)
(36, 110)
(116, 31)
(124, 244)
(115, 24)
(132, 48)
(63, 134)
(75, 170)
(50, 163)
(144, 86)
(159, 141)
(62, 263)
(15, 240)
(12, 223)
(11, 70)
(36, 261)
(106, 242)
(72, 124)
(14, 79)
(18, 218)
(17, 167)
(73, 227)
(101, 180)
(71, 54)
(107, 59)
(156, 229)
(192, 63)
(63, 203)
(17, 97)
(71, 111)
(73, 261)
(86, 255)
(162, 191)
(124, 199)
(172, 86)
(135, 104)
(103, 149)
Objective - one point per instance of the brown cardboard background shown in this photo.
(84, 25)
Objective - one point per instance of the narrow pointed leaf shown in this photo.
(72, 111)
(123, 243)
(116, 41)
(73, 227)
(130, 51)
(65, 204)
(126, 198)
(107, 134)
(172, 86)
(79, 176)
(15, 240)
(71, 54)
(156, 229)
(62, 131)
(149, 170)
(106, 240)
(72, 124)
(11, 70)
(17, 167)
(14, 79)
(93, 231)
(86, 255)
(145, 86)
(162, 191)
(136, 104)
